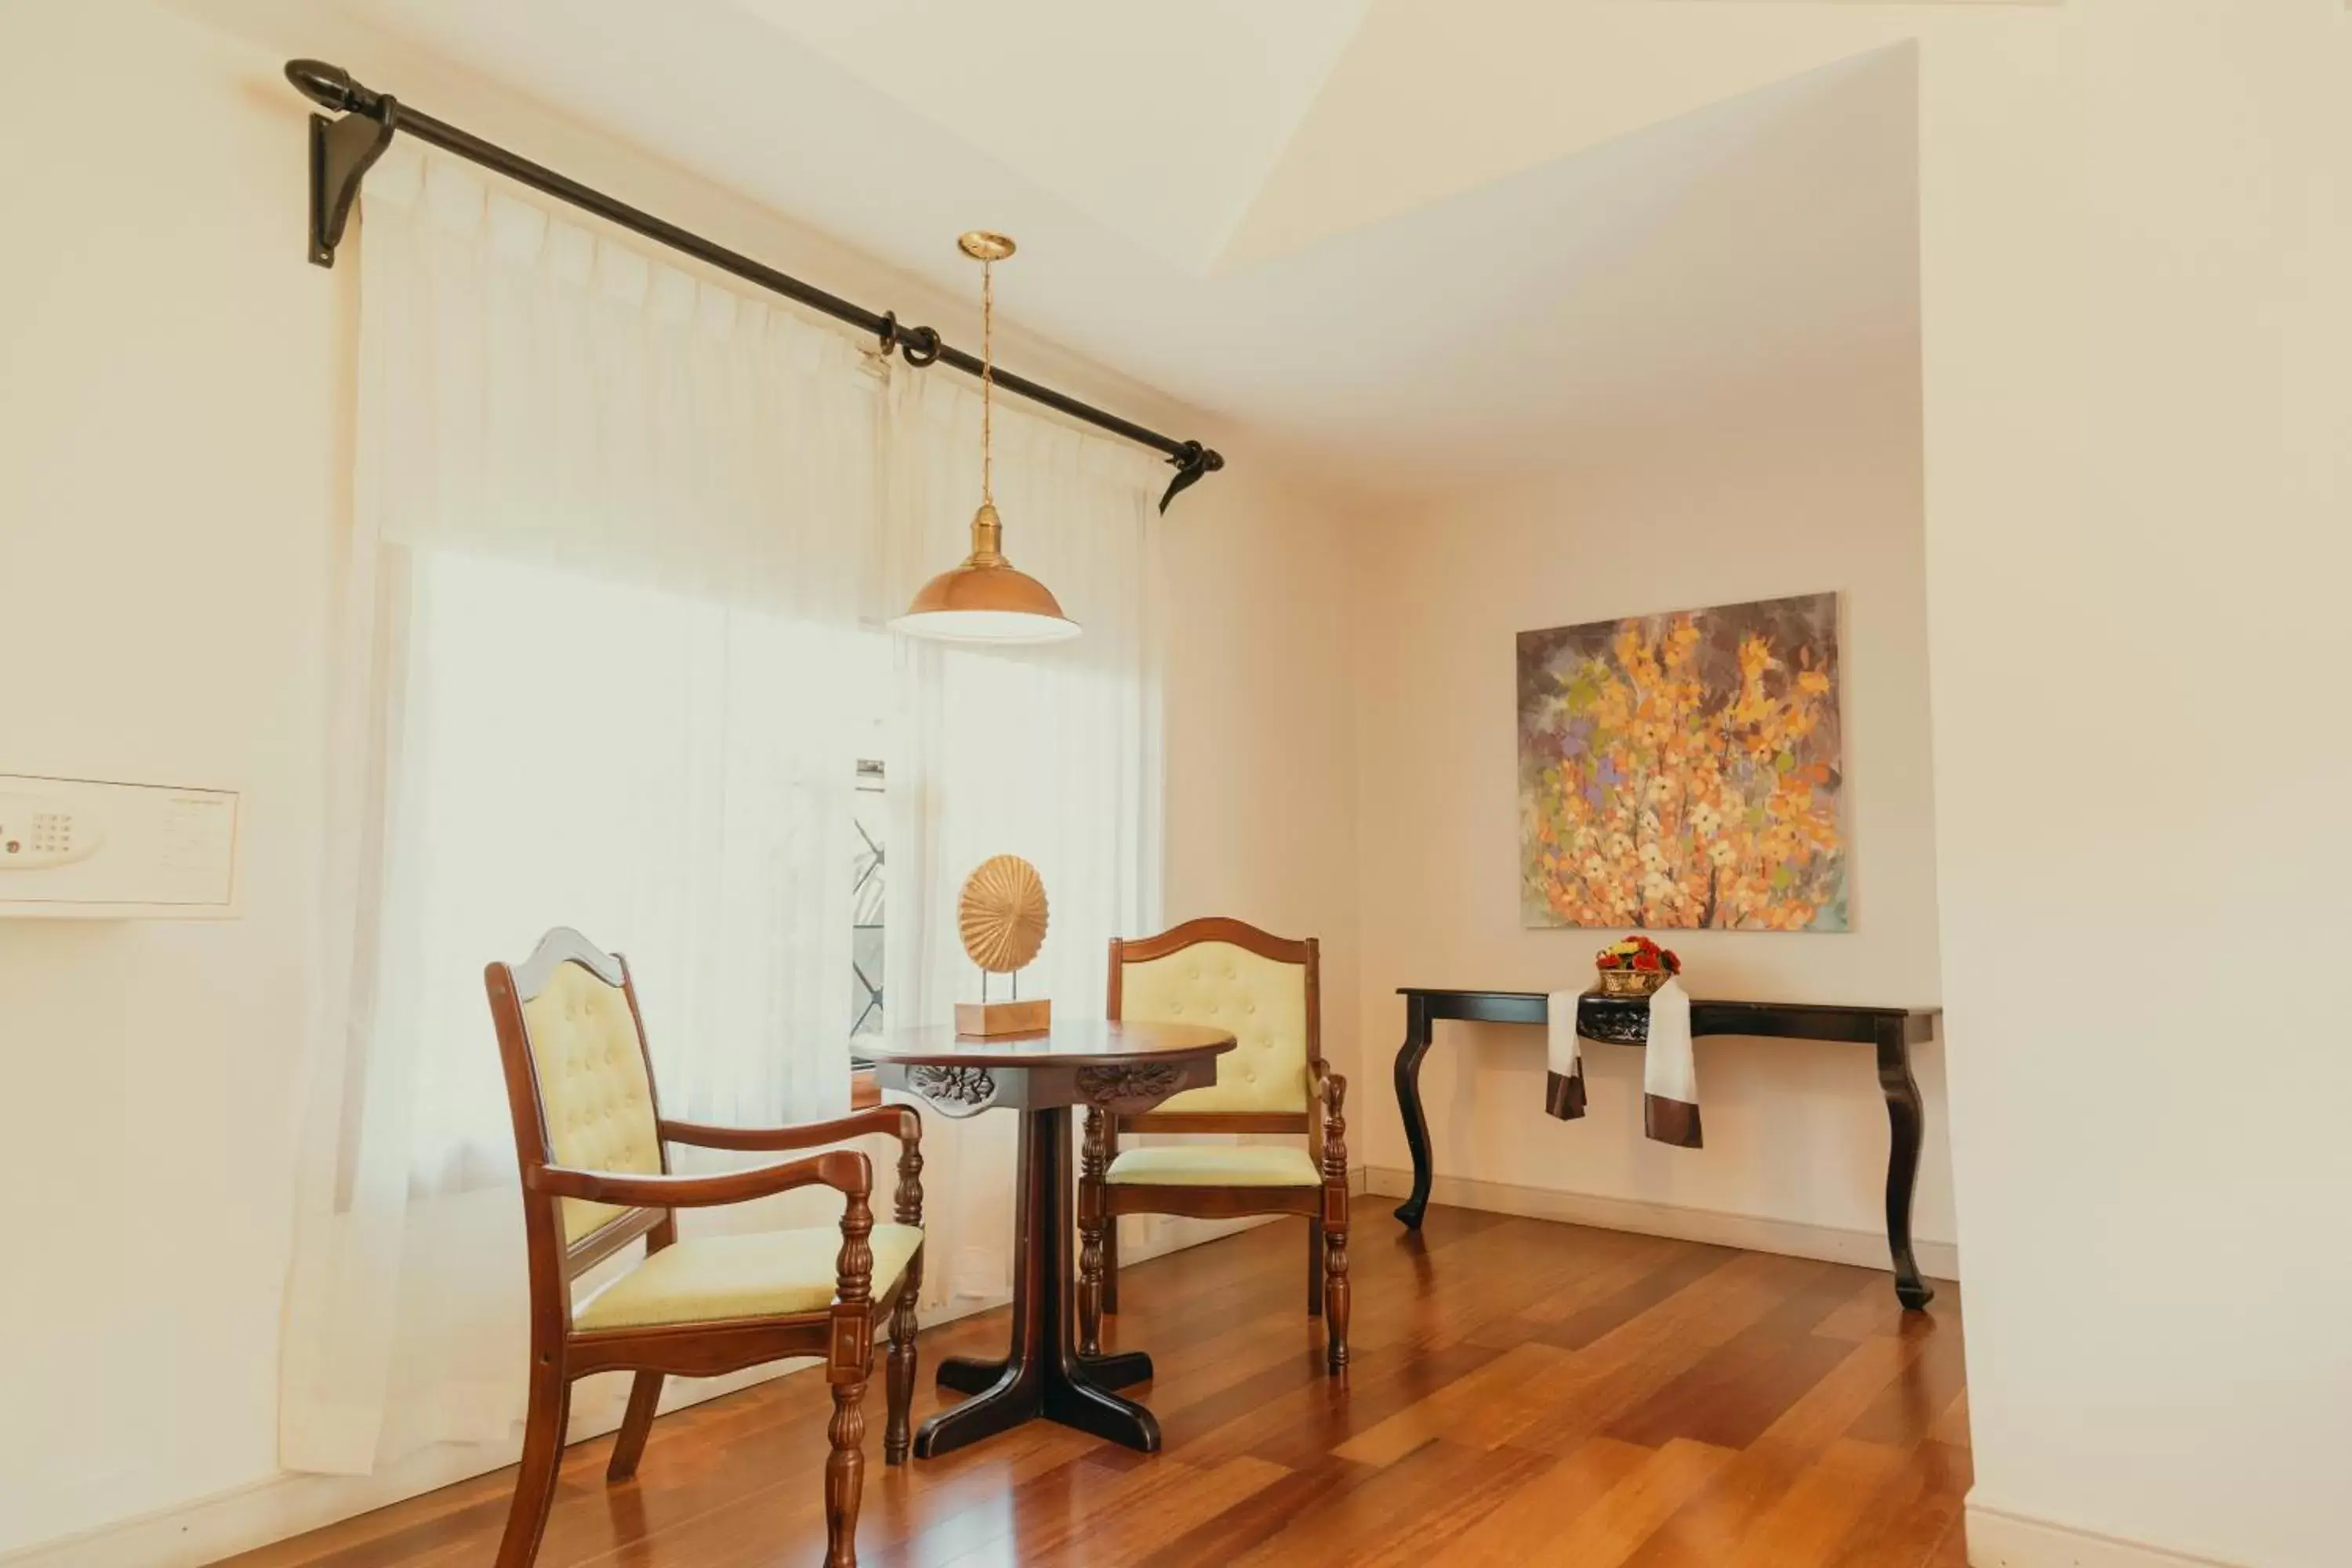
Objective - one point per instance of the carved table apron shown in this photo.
(1623, 1020)
(1119, 1066)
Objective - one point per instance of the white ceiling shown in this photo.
(1163, 134)
(1412, 239)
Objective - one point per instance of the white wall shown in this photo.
(167, 448)
(2136, 245)
(174, 395)
(1812, 487)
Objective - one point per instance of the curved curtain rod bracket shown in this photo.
(343, 150)
(342, 153)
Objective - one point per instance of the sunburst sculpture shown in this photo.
(1003, 915)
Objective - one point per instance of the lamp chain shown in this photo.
(987, 381)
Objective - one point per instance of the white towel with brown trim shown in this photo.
(1669, 1070)
(1564, 1057)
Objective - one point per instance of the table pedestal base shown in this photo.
(1043, 1375)
(970, 1374)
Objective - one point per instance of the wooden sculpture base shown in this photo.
(988, 1020)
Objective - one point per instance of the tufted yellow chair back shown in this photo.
(595, 1094)
(1264, 1001)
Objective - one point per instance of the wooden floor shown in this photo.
(1522, 1393)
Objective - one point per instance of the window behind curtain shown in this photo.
(582, 751)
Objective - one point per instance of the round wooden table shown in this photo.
(1122, 1068)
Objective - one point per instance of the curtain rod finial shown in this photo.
(329, 86)
(1190, 464)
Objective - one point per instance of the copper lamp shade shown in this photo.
(986, 599)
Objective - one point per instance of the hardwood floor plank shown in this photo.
(1910, 1407)
(1952, 1426)
(1085, 1522)
(1710, 1531)
(1810, 1520)
(1299, 1494)
(1632, 1361)
(1913, 1511)
(1675, 1272)
(1504, 1392)
(1739, 1388)
(1409, 1537)
(1523, 1393)
(1368, 1524)
(1300, 1427)
(1609, 1532)
(1526, 1526)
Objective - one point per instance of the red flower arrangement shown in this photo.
(1638, 952)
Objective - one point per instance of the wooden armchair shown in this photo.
(1267, 991)
(593, 1147)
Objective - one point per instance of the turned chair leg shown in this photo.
(1335, 1220)
(901, 1390)
(543, 1456)
(1336, 1294)
(1092, 1223)
(1094, 1218)
(1315, 1268)
(630, 1446)
(844, 1474)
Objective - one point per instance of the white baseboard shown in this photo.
(1832, 1244)
(1999, 1540)
(278, 1507)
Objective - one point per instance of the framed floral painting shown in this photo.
(1684, 771)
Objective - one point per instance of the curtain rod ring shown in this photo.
(920, 345)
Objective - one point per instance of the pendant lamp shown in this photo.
(985, 600)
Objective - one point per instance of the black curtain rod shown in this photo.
(342, 151)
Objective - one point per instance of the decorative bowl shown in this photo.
(1631, 981)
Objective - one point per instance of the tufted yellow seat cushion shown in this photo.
(1215, 1165)
(1262, 1003)
(593, 1089)
(709, 1279)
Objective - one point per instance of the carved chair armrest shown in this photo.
(1329, 1127)
(845, 1171)
(900, 1122)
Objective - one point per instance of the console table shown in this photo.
(1624, 1020)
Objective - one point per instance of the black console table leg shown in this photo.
(1408, 1093)
(1906, 1121)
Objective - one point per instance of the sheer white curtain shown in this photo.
(610, 653)
(599, 640)
(1051, 753)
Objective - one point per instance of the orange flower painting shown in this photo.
(1684, 771)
